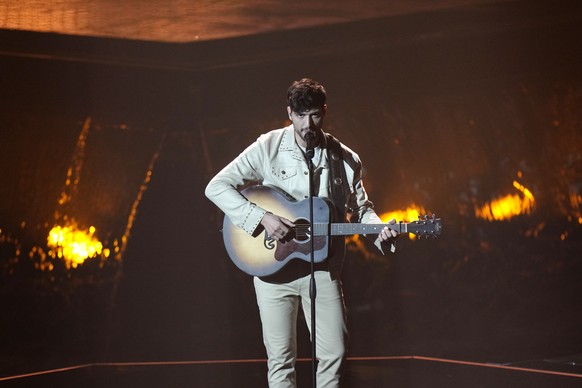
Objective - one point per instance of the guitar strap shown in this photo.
(337, 177)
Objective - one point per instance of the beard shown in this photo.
(311, 135)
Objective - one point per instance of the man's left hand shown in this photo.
(387, 233)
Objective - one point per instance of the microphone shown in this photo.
(310, 139)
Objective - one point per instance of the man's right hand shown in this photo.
(276, 227)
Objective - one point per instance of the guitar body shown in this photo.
(259, 256)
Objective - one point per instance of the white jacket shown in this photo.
(275, 159)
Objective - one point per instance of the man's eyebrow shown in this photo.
(311, 111)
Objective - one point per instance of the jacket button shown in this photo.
(305, 172)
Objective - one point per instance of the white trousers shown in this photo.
(279, 306)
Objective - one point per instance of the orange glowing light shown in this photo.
(508, 206)
(576, 204)
(74, 245)
(68, 242)
(411, 213)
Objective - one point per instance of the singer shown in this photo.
(280, 158)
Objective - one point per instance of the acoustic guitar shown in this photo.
(259, 255)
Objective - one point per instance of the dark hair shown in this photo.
(306, 94)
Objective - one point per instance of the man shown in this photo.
(278, 158)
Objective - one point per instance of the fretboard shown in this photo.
(346, 229)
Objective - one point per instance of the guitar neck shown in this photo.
(347, 229)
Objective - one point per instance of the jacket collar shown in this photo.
(288, 140)
(288, 144)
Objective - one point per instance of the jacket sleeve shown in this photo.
(223, 189)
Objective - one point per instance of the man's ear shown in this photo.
(289, 112)
(324, 109)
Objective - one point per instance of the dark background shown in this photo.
(445, 108)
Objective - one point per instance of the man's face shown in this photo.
(310, 121)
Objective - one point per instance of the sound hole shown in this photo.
(301, 230)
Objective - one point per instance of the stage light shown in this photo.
(507, 206)
(74, 245)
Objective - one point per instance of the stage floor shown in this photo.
(409, 371)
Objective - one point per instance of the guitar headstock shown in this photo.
(426, 227)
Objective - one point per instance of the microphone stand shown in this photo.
(312, 286)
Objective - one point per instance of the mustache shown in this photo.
(310, 135)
